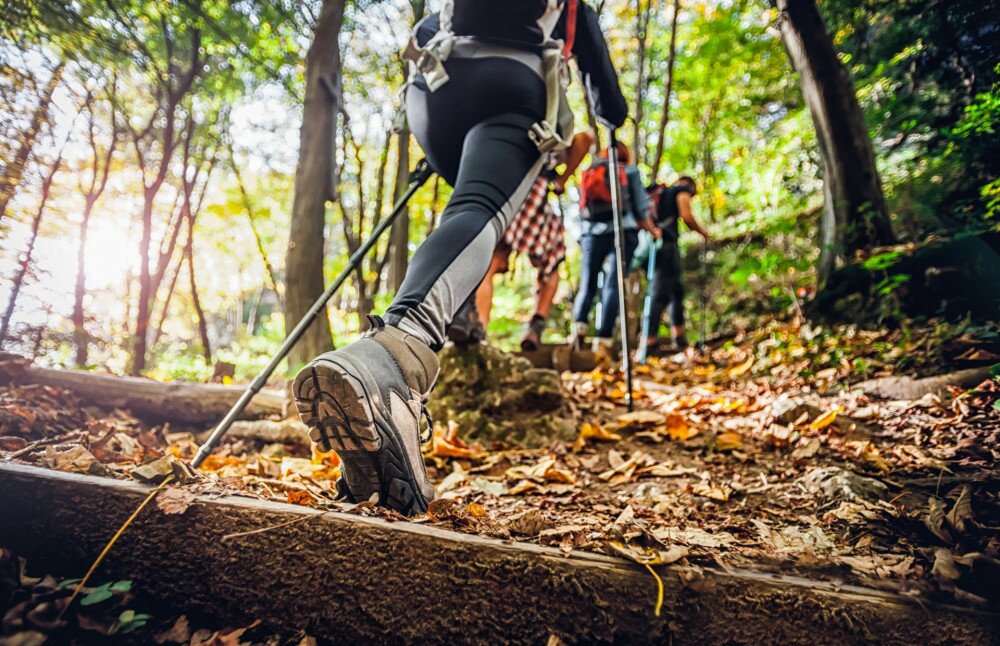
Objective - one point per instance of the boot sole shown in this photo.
(340, 415)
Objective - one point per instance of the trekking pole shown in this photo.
(647, 305)
(616, 206)
(704, 295)
(420, 174)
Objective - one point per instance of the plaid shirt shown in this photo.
(537, 231)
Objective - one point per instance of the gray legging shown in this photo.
(474, 132)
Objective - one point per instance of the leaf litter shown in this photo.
(758, 454)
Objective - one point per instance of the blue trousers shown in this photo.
(595, 250)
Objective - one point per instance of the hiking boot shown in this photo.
(603, 349)
(466, 329)
(532, 338)
(578, 336)
(679, 343)
(366, 402)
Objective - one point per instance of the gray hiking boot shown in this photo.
(366, 402)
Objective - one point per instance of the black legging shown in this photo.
(474, 132)
(667, 288)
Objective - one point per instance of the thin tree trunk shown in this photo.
(206, 346)
(248, 207)
(171, 96)
(166, 300)
(855, 215)
(100, 167)
(667, 93)
(642, 17)
(13, 171)
(314, 184)
(22, 271)
(80, 289)
(399, 237)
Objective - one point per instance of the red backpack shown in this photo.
(595, 191)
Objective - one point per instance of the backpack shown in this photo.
(508, 28)
(595, 192)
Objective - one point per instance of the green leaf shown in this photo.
(995, 370)
(97, 596)
(121, 586)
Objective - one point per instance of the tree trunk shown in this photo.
(313, 185)
(79, 332)
(272, 281)
(22, 271)
(13, 171)
(855, 216)
(166, 300)
(145, 285)
(171, 93)
(667, 92)
(642, 16)
(153, 400)
(399, 238)
(100, 167)
(206, 346)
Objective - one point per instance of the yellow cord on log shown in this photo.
(114, 539)
(659, 589)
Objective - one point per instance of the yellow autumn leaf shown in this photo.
(641, 418)
(728, 441)
(677, 427)
(740, 369)
(825, 419)
(590, 431)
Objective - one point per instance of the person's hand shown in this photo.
(705, 236)
(558, 185)
(657, 233)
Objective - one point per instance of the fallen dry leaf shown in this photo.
(175, 500)
(740, 369)
(825, 419)
(299, 497)
(728, 441)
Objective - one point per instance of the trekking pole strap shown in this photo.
(420, 174)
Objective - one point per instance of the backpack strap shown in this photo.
(570, 11)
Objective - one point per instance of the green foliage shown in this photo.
(104, 592)
(926, 74)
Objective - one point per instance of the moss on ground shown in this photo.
(495, 395)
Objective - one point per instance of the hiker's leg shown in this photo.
(484, 293)
(593, 251)
(662, 288)
(366, 399)
(546, 294)
(499, 164)
(609, 297)
(548, 284)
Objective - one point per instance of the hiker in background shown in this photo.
(480, 105)
(670, 204)
(597, 243)
(537, 232)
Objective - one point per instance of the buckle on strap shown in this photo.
(429, 60)
(544, 136)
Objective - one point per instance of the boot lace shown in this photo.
(427, 432)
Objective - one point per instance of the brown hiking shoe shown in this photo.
(366, 402)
